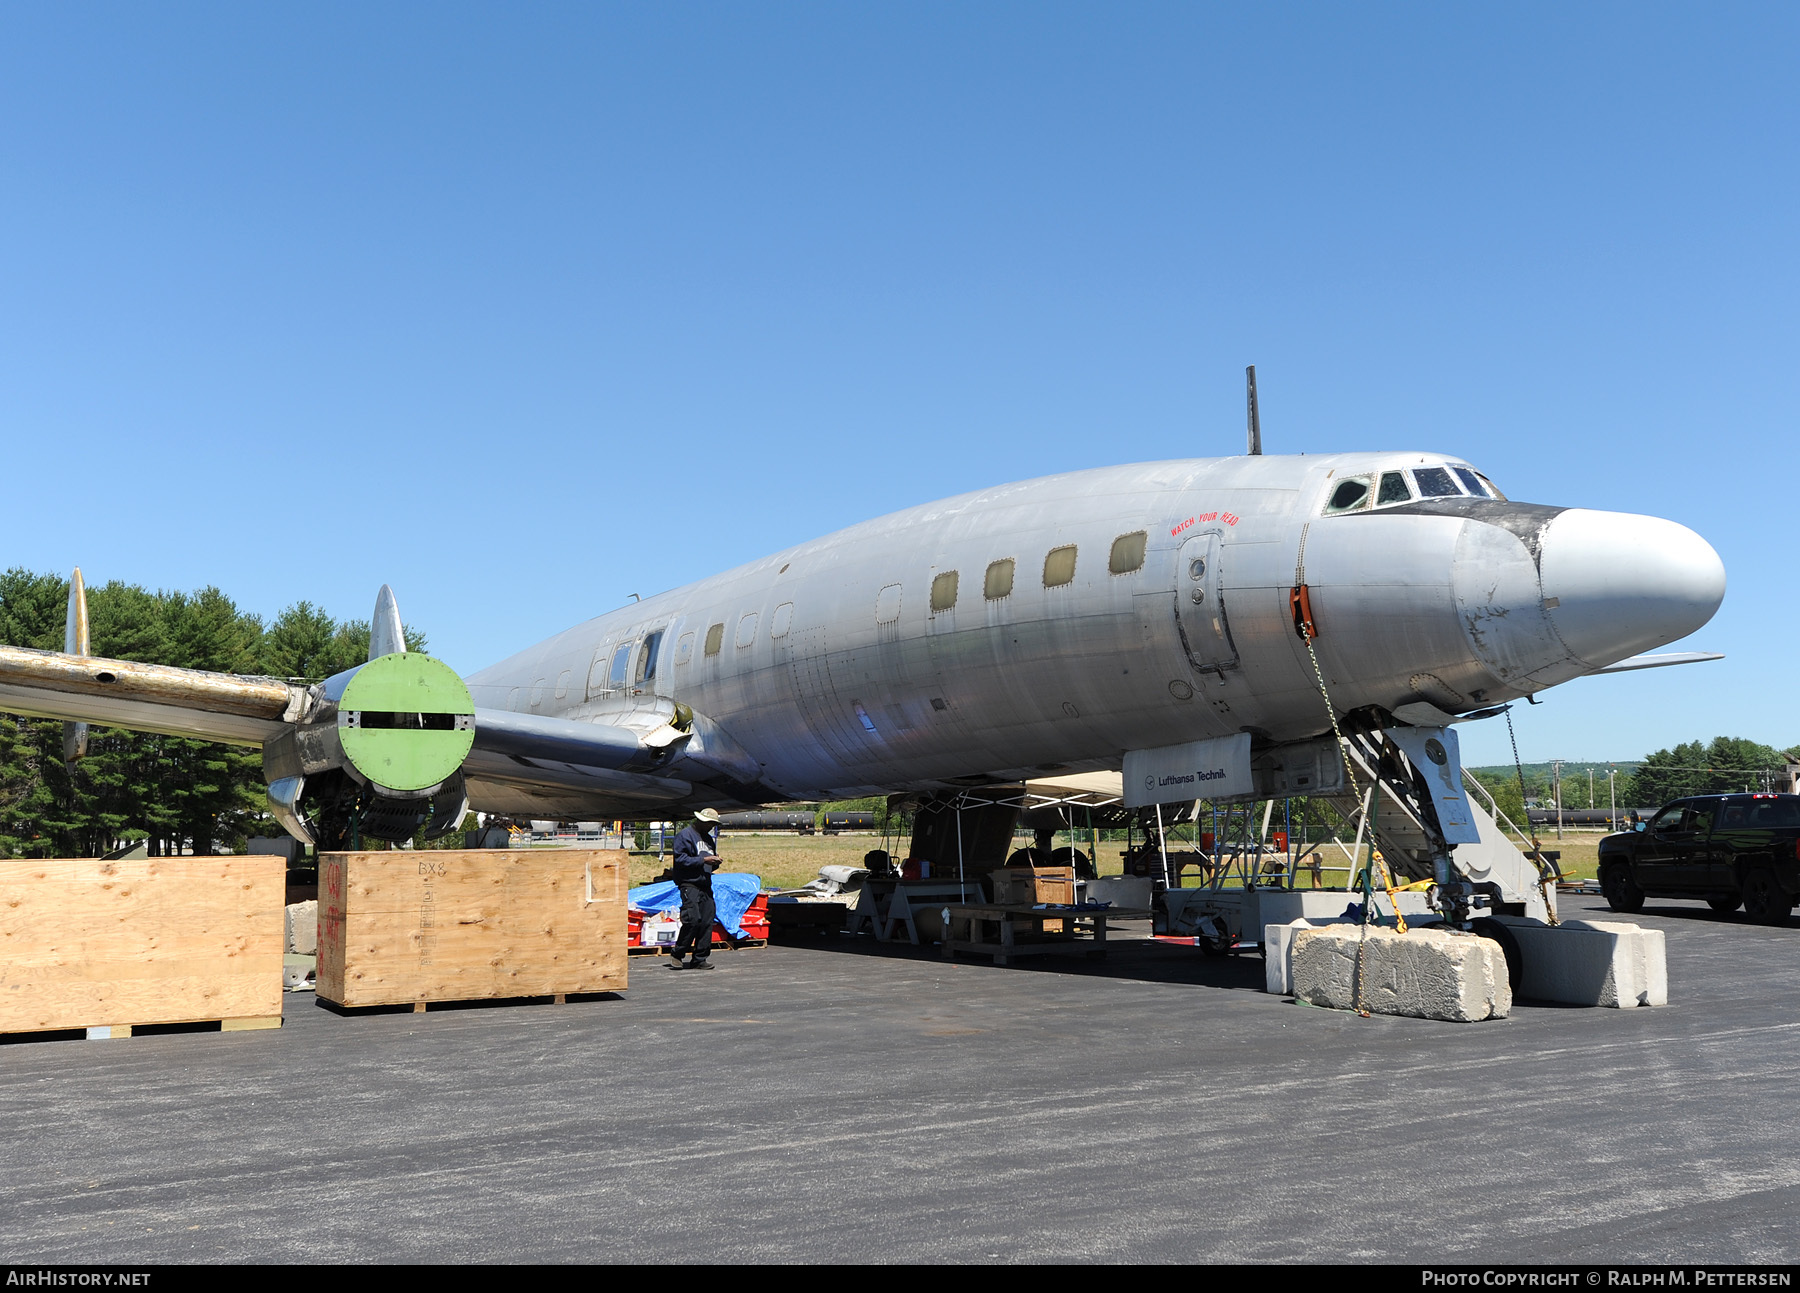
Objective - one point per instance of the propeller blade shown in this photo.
(386, 636)
(284, 807)
(75, 642)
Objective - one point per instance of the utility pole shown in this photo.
(1556, 790)
(1590, 789)
(1612, 802)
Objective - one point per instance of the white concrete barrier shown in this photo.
(1426, 973)
(1591, 962)
(1278, 956)
(303, 927)
(1282, 906)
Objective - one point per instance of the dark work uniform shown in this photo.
(695, 861)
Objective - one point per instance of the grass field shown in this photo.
(789, 861)
(783, 861)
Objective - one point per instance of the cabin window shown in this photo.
(1059, 566)
(1435, 482)
(1127, 553)
(684, 648)
(537, 693)
(615, 672)
(746, 633)
(715, 638)
(1470, 481)
(646, 669)
(1351, 495)
(887, 605)
(562, 684)
(999, 579)
(512, 699)
(1394, 489)
(782, 621)
(943, 592)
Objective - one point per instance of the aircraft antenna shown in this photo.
(1255, 423)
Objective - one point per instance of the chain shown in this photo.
(1368, 904)
(1537, 850)
(1331, 713)
(1356, 789)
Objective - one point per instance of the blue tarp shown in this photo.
(732, 894)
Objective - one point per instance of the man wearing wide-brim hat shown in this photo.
(696, 858)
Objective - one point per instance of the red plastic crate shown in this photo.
(754, 922)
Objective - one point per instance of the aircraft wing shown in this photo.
(230, 708)
(1661, 661)
(316, 735)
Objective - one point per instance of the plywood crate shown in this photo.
(108, 945)
(470, 924)
(1031, 885)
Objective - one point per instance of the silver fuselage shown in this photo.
(834, 671)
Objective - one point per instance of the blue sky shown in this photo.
(524, 309)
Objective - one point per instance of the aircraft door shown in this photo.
(1200, 607)
(647, 683)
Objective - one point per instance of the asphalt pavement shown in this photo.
(843, 1101)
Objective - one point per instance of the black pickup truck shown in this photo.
(1731, 850)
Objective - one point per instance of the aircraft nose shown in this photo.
(1616, 584)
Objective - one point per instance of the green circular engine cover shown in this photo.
(406, 721)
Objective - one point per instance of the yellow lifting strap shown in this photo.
(1387, 882)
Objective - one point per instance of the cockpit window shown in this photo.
(1470, 480)
(1396, 488)
(1351, 494)
(1435, 482)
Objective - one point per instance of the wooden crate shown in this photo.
(108, 945)
(1028, 885)
(470, 924)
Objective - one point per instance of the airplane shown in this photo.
(1254, 613)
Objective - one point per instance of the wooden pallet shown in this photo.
(447, 1003)
(104, 1032)
(717, 947)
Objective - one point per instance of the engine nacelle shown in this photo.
(379, 753)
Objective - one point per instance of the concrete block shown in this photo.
(303, 928)
(1278, 953)
(1426, 973)
(1591, 962)
(299, 973)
